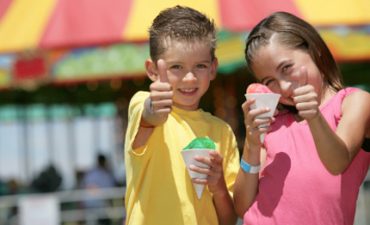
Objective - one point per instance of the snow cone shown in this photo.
(264, 98)
(197, 147)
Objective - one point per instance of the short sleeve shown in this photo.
(135, 111)
(231, 159)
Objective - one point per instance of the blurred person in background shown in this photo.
(96, 180)
(49, 180)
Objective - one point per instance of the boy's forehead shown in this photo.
(170, 42)
(191, 45)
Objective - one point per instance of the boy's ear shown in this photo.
(214, 67)
(151, 70)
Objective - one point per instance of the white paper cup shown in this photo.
(264, 100)
(188, 156)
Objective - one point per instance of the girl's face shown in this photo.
(284, 69)
(190, 69)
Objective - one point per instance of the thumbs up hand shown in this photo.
(305, 97)
(161, 94)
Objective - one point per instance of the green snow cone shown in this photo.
(200, 146)
(201, 143)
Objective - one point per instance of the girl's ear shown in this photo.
(214, 67)
(151, 70)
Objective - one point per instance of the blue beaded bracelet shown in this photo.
(248, 168)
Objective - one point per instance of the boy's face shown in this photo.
(190, 69)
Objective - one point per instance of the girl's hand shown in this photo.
(255, 125)
(306, 101)
(215, 179)
(305, 97)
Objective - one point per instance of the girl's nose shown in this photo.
(285, 88)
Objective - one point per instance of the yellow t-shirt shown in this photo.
(159, 190)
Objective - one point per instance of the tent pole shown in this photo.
(25, 143)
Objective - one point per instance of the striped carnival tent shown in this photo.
(63, 37)
(27, 24)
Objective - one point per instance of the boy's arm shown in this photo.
(217, 186)
(224, 206)
(221, 173)
(156, 107)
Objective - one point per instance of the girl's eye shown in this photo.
(286, 68)
(272, 84)
(267, 82)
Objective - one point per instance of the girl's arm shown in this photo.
(246, 184)
(337, 149)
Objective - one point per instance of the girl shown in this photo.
(313, 166)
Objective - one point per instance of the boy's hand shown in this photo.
(161, 93)
(215, 180)
(305, 97)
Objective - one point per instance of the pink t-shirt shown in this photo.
(295, 187)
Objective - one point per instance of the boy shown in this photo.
(163, 121)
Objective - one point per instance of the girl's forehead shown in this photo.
(268, 58)
(273, 52)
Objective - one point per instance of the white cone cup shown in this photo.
(263, 100)
(188, 156)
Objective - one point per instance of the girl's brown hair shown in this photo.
(294, 32)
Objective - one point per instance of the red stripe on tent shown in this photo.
(4, 4)
(237, 15)
(86, 22)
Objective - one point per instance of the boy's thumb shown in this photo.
(162, 71)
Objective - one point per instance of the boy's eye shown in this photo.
(176, 67)
(202, 66)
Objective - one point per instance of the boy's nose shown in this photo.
(189, 76)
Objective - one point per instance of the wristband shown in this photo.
(148, 105)
(248, 168)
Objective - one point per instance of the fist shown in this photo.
(161, 93)
(305, 97)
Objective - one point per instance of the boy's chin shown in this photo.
(188, 107)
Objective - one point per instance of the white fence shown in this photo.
(63, 208)
(66, 208)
